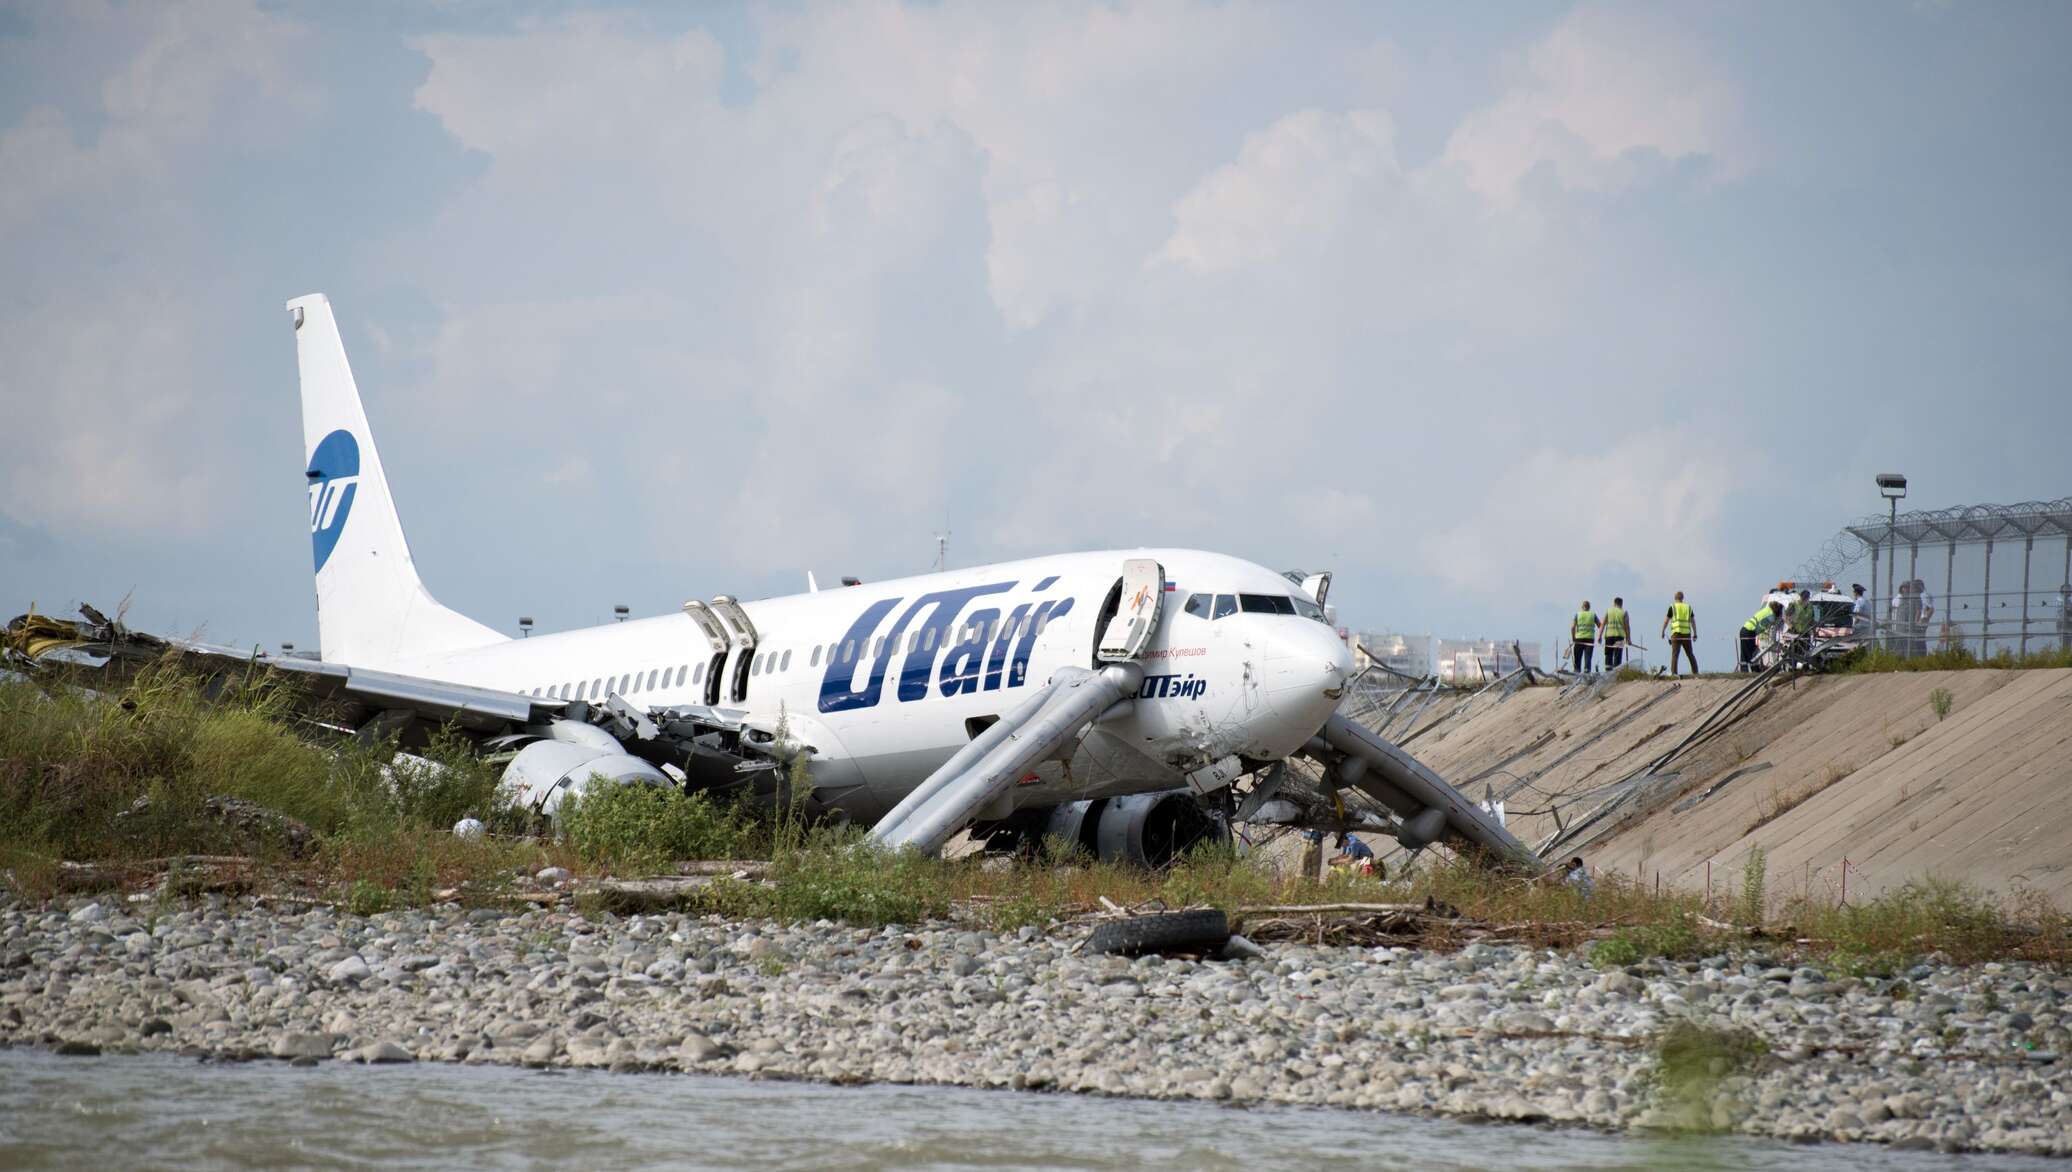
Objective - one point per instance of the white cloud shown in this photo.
(1173, 328)
(1603, 90)
(193, 71)
(1307, 175)
(106, 381)
(102, 417)
(1650, 502)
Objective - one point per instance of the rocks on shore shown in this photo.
(1953, 1058)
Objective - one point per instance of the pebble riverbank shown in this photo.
(1952, 1058)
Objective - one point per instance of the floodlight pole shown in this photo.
(1892, 486)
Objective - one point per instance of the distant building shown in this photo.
(1469, 660)
(1409, 655)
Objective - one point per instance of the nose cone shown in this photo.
(1306, 667)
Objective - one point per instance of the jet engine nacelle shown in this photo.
(1145, 830)
(546, 773)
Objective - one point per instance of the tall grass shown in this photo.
(1891, 929)
(1877, 660)
(130, 776)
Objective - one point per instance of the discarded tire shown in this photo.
(1200, 931)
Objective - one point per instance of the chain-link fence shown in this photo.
(1983, 578)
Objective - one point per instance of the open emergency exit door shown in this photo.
(1136, 615)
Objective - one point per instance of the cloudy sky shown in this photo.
(1487, 308)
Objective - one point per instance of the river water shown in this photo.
(165, 1112)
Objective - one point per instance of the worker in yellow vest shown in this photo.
(1681, 626)
(1762, 620)
(1615, 635)
(1583, 630)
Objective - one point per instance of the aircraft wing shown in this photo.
(104, 649)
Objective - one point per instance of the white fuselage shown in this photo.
(885, 681)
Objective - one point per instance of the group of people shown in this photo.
(1614, 628)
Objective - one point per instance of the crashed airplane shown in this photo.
(1118, 700)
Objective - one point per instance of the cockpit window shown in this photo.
(1198, 605)
(1266, 603)
(1309, 610)
(1226, 604)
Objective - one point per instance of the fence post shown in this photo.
(1845, 880)
(1985, 608)
(1877, 616)
(2028, 547)
(1949, 599)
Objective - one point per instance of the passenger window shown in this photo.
(784, 664)
(814, 659)
(849, 651)
(928, 640)
(1226, 605)
(698, 673)
(1198, 605)
(651, 679)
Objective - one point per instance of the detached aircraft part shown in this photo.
(984, 771)
(1142, 830)
(545, 774)
(1431, 810)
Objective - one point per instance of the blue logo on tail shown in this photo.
(334, 475)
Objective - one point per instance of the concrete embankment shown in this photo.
(1945, 1057)
(1821, 769)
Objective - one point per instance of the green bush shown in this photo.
(1754, 892)
(1616, 951)
(648, 827)
(1939, 702)
(838, 876)
(1022, 908)
(1671, 938)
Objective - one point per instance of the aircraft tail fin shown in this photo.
(372, 609)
